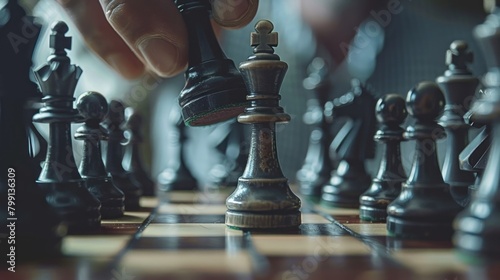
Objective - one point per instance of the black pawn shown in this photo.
(353, 144)
(459, 87)
(93, 107)
(214, 89)
(386, 186)
(425, 207)
(317, 167)
(263, 198)
(132, 159)
(66, 189)
(114, 157)
(478, 226)
(177, 177)
(30, 221)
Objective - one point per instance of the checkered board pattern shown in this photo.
(183, 236)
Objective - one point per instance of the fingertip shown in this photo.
(234, 13)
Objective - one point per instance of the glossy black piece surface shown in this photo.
(386, 186)
(478, 226)
(214, 89)
(66, 190)
(93, 107)
(425, 207)
(459, 87)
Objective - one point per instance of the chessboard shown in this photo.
(183, 236)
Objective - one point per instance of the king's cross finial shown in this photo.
(264, 39)
(58, 40)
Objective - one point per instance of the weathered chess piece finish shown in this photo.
(317, 167)
(214, 89)
(93, 107)
(114, 157)
(38, 229)
(425, 207)
(386, 186)
(132, 160)
(177, 176)
(353, 144)
(478, 226)
(66, 189)
(459, 87)
(263, 198)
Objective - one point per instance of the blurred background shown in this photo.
(389, 45)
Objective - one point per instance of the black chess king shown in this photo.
(263, 198)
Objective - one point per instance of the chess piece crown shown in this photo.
(57, 79)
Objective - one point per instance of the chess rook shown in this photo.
(459, 86)
(353, 144)
(425, 207)
(263, 198)
(93, 107)
(478, 227)
(114, 156)
(214, 89)
(386, 186)
(66, 189)
(132, 160)
(317, 167)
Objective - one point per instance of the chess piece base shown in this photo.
(313, 189)
(344, 191)
(374, 202)
(129, 188)
(111, 198)
(422, 212)
(478, 235)
(79, 209)
(262, 220)
(263, 203)
(418, 229)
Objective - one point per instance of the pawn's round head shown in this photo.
(116, 112)
(425, 101)
(391, 108)
(92, 106)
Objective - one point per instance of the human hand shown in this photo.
(133, 36)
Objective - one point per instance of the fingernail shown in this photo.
(161, 55)
(128, 68)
